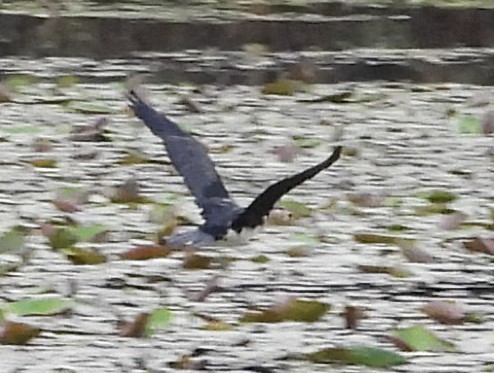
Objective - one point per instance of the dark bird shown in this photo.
(219, 211)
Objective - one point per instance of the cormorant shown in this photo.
(219, 211)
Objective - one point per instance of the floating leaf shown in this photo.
(90, 108)
(360, 355)
(353, 315)
(217, 326)
(15, 333)
(305, 239)
(398, 272)
(66, 81)
(261, 259)
(467, 124)
(418, 338)
(445, 312)
(292, 310)
(480, 245)
(17, 81)
(158, 318)
(40, 306)
(397, 228)
(68, 199)
(162, 213)
(82, 256)
(12, 241)
(196, 261)
(306, 142)
(61, 238)
(434, 208)
(21, 129)
(6, 94)
(42, 145)
(413, 253)
(128, 192)
(298, 252)
(370, 238)
(366, 199)
(145, 252)
(221, 149)
(280, 87)
(89, 233)
(44, 162)
(133, 157)
(135, 328)
(487, 124)
(451, 221)
(441, 196)
(298, 209)
(167, 229)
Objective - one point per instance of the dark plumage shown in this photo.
(219, 211)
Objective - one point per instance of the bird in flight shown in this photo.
(221, 214)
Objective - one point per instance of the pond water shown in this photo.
(403, 141)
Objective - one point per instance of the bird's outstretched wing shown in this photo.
(253, 215)
(189, 157)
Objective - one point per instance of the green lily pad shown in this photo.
(90, 108)
(360, 355)
(306, 142)
(467, 124)
(62, 238)
(11, 241)
(281, 87)
(260, 259)
(21, 129)
(89, 232)
(40, 306)
(418, 338)
(441, 196)
(159, 318)
(298, 209)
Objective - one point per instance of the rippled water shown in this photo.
(406, 145)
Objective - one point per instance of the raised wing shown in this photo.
(253, 215)
(189, 157)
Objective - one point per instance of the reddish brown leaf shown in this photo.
(481, 245)
(353, 315)
(144, 252)
(14, 333)
(135, 328)
(445, 312)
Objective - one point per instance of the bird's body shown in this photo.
(221, 214)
